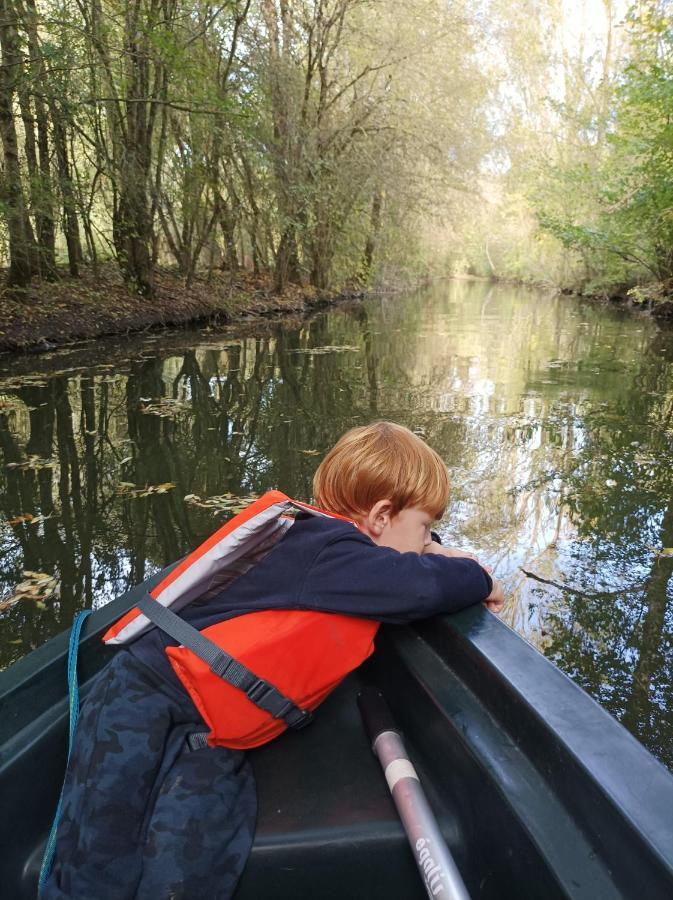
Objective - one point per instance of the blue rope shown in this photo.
(73, 700)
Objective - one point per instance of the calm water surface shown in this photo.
(555, 419)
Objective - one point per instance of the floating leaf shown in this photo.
(21, 520)
(28, 519)
(163, 488)
(220, 503)
(133, 491)
(319, 351)
(33, 462)
(310, 452)
(664, 553)
(7, 404)
(37, 576)
(36, 587)
(165, 407)
(38, 520)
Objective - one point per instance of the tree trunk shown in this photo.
(21, 241)
(373, 235)
(42, 196)
(287, 261)
(132, 219)
(70, 221)
(228, 226)
(321, 245)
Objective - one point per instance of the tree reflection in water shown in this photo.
(555, 419)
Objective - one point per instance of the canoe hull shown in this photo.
(538, 791)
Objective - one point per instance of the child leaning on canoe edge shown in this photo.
(150, 813)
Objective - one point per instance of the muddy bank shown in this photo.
(54, 314)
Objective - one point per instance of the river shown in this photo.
(554, 417)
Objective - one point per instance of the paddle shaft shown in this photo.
(436, 865)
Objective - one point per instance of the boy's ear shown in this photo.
(378, 518)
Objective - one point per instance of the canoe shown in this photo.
(539, 792)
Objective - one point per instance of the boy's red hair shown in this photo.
(382, 461)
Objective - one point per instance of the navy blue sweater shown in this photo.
(329, 566)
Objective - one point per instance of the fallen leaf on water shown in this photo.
(133, 491)
(33, 462)
(37, 576)
(9, 403)
(665, 552)
(36, 587)
(318, 351)
(29, 519)
(310, 452)
(38, 520)
(21, 520)
(165, 407)
(220, 503)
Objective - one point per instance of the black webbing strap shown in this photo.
(258, 691)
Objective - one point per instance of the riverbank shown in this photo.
(62, 312)
(654, 298)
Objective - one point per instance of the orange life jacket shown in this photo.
(252, 676)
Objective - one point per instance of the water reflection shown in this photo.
(555, 419)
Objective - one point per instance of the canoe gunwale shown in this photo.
(585, 755)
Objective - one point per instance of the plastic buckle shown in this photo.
(304, 719)
(258, 691)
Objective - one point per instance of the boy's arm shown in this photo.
(496, 599)
(352, 575)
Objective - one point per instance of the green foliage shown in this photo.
(623, 226)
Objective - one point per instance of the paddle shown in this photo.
(433, 858)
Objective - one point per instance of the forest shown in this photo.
(335, 143)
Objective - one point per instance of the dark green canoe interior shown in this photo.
(539, 792)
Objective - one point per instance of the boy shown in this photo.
(146, 817)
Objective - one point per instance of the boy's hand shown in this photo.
(496, 598)
(434, 547)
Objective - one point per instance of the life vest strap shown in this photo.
(257, 690)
